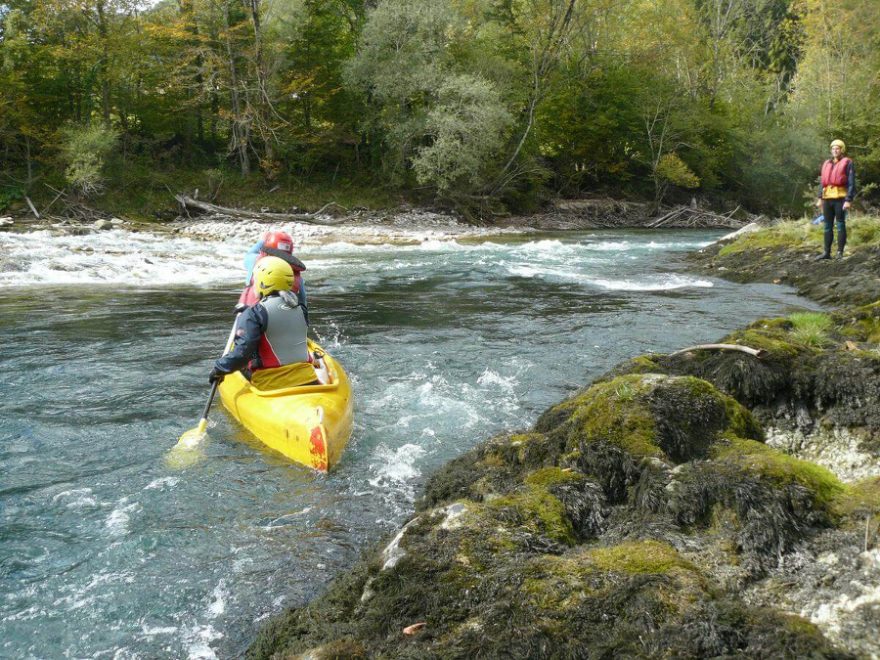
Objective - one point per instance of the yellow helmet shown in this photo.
(272, 274)
(839, 143)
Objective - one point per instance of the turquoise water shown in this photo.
(106, 552)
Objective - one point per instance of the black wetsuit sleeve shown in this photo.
(850, 181)
(251, 325)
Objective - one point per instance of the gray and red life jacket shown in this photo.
(284, 338)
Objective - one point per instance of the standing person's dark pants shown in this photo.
(833, 211)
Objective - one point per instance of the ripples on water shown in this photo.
(104, 552)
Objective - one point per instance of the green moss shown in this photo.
(557, 583)
(552, 476)
(861, 324)
(860, 499)
(610, 412)
(757, 458)
(638, 557)
(537, 510)
(775, 343)
(643, 364)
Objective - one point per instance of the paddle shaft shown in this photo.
(217, 382)
(210, 399)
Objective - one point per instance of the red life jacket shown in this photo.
(834, 174)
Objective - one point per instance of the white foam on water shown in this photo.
(117, 257)
(162, 482)
(76, 498)
(198, 640)
(117, 521)
(152, 631)
(660, 283)
(493, 379)
(218, 604)
(396, 466)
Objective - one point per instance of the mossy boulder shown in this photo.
(639, 599)
(675, 419)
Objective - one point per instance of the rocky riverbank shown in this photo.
(666, 510)
(786, 254)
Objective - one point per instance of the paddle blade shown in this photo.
(188, 450)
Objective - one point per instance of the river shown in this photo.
(105, 552)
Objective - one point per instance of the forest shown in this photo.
(488, 105)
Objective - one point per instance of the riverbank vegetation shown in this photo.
(481, 104)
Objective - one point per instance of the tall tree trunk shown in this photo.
(105, 63)
(240, 136)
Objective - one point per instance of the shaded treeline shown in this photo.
(486, 103)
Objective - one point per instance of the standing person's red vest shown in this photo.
(834, 174)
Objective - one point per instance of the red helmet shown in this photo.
(280, 240)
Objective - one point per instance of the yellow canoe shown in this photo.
(309, 424)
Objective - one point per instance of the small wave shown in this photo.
(78, 498)
(117, 521)
(198, 641)
(491, 378)
(218, 604)
(664, 283)
(396, 467)
(161, 483)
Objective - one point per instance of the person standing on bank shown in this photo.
(836, 193)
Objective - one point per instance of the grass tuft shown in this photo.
(811, 328)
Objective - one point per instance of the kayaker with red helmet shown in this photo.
(836, 192)
(271, 336)
(276, 244)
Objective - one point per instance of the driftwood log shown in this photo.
(754, 352)
(189, 203)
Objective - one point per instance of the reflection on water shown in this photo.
(104, 551)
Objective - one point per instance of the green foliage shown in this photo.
(462, 99)
(466, 128)
(85, 150)
(9, 194)
(674, 170)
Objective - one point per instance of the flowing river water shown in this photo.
(107, 339)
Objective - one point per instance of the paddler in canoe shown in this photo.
(271, 343)
(276, 244)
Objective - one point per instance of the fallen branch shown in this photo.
(312, 218)
(33, 208)
(754, 352)
(685, 216)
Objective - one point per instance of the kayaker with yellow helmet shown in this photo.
(271, 336)
(836, 192)
(276, 244)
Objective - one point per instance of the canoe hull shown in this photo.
(310, 424)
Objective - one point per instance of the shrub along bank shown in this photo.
(644, 516)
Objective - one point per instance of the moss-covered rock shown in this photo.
(622, 523)
(650, 415)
